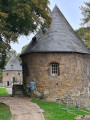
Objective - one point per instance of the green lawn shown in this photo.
(52, 111)
(5, 113)
(3, 91)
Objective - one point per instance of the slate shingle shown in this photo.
(60, 37)
(13, 64)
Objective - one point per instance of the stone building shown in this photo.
(57, 62)
(12, 74)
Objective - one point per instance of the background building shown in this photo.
(12, 74)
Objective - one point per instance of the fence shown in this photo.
(70, 103)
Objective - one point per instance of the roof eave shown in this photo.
(53, 52)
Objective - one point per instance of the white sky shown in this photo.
(70, 9)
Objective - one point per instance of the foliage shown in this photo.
(20, 17)
(86, 12)
(5, 113)
(18, 56)
(84, 33)
(3, 91)
(9, 55)
(11, 52)
(52, 111)
(24, 47)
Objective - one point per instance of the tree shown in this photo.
(9, 55)
(86, 12)
(24, 47)
(20, 17)
(84, 33)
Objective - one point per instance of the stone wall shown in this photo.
(8, 76)
(74, 77)
(17, 90)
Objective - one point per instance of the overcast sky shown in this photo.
(71, 11)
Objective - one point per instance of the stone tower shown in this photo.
(57, 62)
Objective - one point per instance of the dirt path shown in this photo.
(23, 109)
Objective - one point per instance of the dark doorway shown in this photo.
(7, 83)
(14, 79)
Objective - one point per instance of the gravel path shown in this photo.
(23, 109)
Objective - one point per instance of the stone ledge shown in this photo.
(83, 117)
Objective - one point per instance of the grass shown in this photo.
(3, 91)
(5, 113)
(52, 111)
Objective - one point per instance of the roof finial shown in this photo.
(55, 8)
(55, 5)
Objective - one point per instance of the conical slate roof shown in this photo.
(60, 37)
(13, 64)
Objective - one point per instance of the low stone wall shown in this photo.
(18, 90)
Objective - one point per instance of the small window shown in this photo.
(14, 79)
(54, 69)
(7, 74)
(19, 74)
(11, 66)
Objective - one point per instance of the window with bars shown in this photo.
(54, 69)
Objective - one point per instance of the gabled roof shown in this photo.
(13, 64)
(60, 37)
